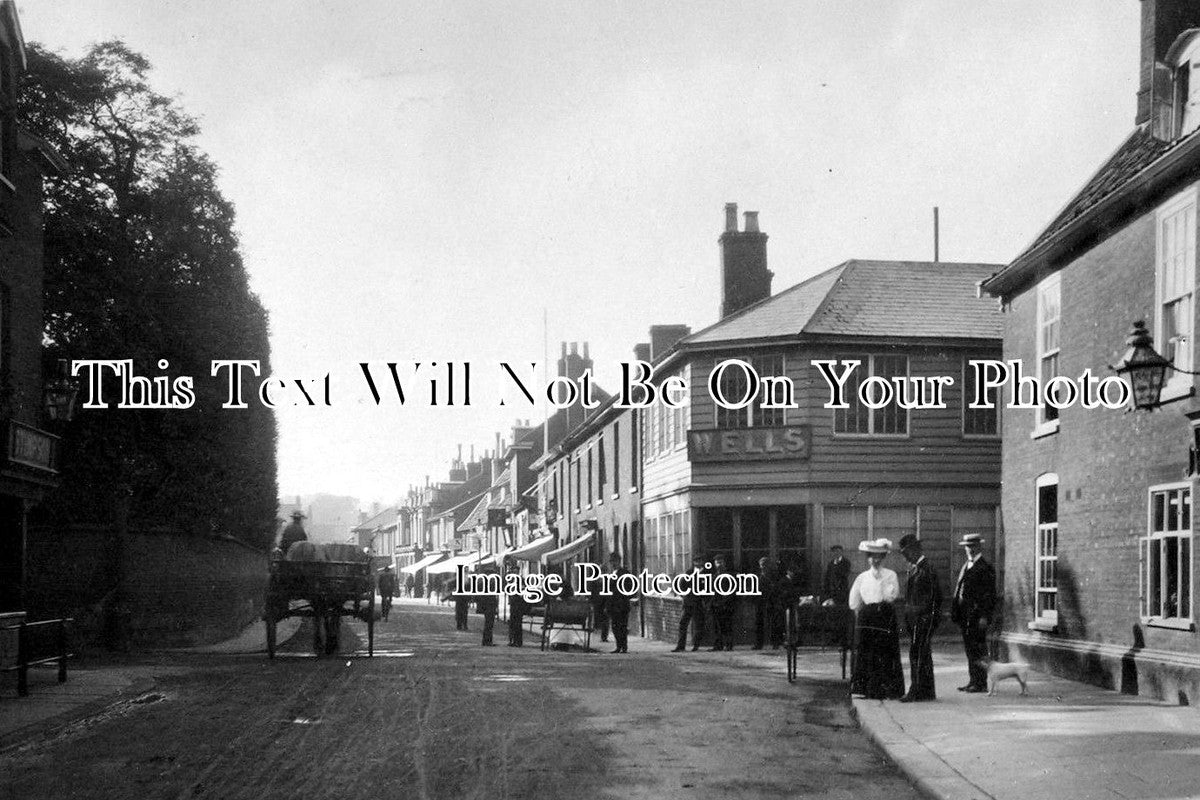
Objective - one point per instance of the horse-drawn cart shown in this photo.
(324, 591)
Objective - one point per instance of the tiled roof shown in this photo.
(1136, 153)
(872, 298)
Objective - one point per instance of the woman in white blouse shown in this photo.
(878, 673)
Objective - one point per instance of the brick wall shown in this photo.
(1105, 461)
(662, 621)
(179, 589)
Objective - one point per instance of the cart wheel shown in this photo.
(371, 627)
(269, 619)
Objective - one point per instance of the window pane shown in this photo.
(856, 418)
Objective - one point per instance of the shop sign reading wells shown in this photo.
(790, 443)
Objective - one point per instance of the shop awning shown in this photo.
(451, 565)
(423, 563)
(569, 550)
(496, 558)
(533, 550)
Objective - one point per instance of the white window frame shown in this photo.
(1177, 384)
(1162, 540)
(1043, 424)
(1042, 531)
(967, 398)
(868, 362)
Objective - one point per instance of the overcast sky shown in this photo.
(418, 181)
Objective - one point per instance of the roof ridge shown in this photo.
(753, 306)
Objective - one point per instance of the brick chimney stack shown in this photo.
(745, 278)
(1162, 22)
(664, 337)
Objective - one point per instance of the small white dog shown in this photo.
(998, 671)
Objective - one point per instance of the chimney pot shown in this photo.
(751, 222)
(574, 348)
(731, 217)
(585, 350)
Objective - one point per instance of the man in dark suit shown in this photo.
(768, 605)
(693, 612)
(836, 586)
(922, 610)
(616, 606)
(974, 601)
(723, 609)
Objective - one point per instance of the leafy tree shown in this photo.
(142, 263)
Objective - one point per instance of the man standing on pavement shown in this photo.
(616, 606)
(836, 586)
(517, 608)
(971, 609)
(387, 590)
(693, 612)
(488, 605)
(922, 610)
(723, 609)
(768, 606)
(293, 533)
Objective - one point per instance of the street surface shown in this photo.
(434, 715)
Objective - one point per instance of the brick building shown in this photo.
(28, 468)
(1100, 558)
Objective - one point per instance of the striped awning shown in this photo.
(569, 550)
(423, 563)
(451, 565)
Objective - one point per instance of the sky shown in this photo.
(463, 182)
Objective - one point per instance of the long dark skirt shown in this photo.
(878, 673)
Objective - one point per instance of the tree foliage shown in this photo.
(142, 263)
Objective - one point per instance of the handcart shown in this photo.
(325, 591)
(827, 626)
(567, 615)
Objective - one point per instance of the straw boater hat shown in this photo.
(971, 538)
(877, 546)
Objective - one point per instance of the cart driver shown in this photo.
(293, 533)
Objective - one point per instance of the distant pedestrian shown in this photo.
(409, 583)
(878, 673)
(293, 533)
(723, 608)
(387, 590)
(768, 605)
(693, 612)
(922, 612)
(598, 601)
(836, 586)
(616, 606)
(518, 607)
(488, 605)
(462, 608)
(972, 607)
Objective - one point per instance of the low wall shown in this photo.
(1160, 674)
(176, 589)
(662, 621)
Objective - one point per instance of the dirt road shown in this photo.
(434, 715)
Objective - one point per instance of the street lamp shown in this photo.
(1145, 368)
(60, 394)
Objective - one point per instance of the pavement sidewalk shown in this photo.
(1065, 740)
(93, 687)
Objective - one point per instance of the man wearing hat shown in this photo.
(293, 533)
(971, 608)
(387, 590)
(836, 586)
(922, 610)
